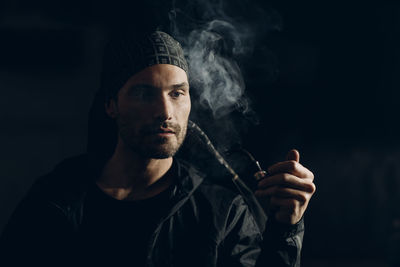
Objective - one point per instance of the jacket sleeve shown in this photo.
(281, 245)
(35, 235)
(245, 245)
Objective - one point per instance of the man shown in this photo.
(140, 206)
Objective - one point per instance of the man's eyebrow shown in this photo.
(180, 85)
(148, 86)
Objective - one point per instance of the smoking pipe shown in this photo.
(197, 136)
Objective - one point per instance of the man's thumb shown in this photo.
(293, 155)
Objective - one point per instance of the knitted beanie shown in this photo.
(126, 55)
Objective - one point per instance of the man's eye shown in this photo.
(176, 94)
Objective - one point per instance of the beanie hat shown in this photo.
(126, 55)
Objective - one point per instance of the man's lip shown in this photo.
(166, 131)
(163, 131)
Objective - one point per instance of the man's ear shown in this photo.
(111, 108)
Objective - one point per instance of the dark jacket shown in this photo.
(206, 225)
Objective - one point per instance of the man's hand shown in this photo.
(288, 188)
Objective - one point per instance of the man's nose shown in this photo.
(163, 108)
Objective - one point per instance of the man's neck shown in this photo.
(128, 176)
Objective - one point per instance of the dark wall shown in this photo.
(333, 95)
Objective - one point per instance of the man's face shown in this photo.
(152, 111)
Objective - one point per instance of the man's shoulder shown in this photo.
(70, 167)
(210, 190)
(65, 179)
(218, 192)
(226, 198)
(226, 206)
(208, 185)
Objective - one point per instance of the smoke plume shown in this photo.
(219, 77)
(216, 37)
(212, 46)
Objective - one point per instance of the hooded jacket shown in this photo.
(205, 225)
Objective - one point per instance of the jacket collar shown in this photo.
(188, 178)
(73, 177)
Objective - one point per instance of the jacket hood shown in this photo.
(102, 130)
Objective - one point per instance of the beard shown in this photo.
(147, 143)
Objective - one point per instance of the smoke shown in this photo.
(217, 38)
(216, 34)
(218, 77)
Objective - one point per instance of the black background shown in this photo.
(332, 94)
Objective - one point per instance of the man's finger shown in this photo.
(292, 167)
(287, 204)
(293, 154)
(283, 192)
(287, 180)
(286, 210)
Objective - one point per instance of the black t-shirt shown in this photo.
(117, 232)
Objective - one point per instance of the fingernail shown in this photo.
(260, 175)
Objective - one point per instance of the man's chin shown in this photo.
(161, 153)
(156, 147)
(158, 151)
